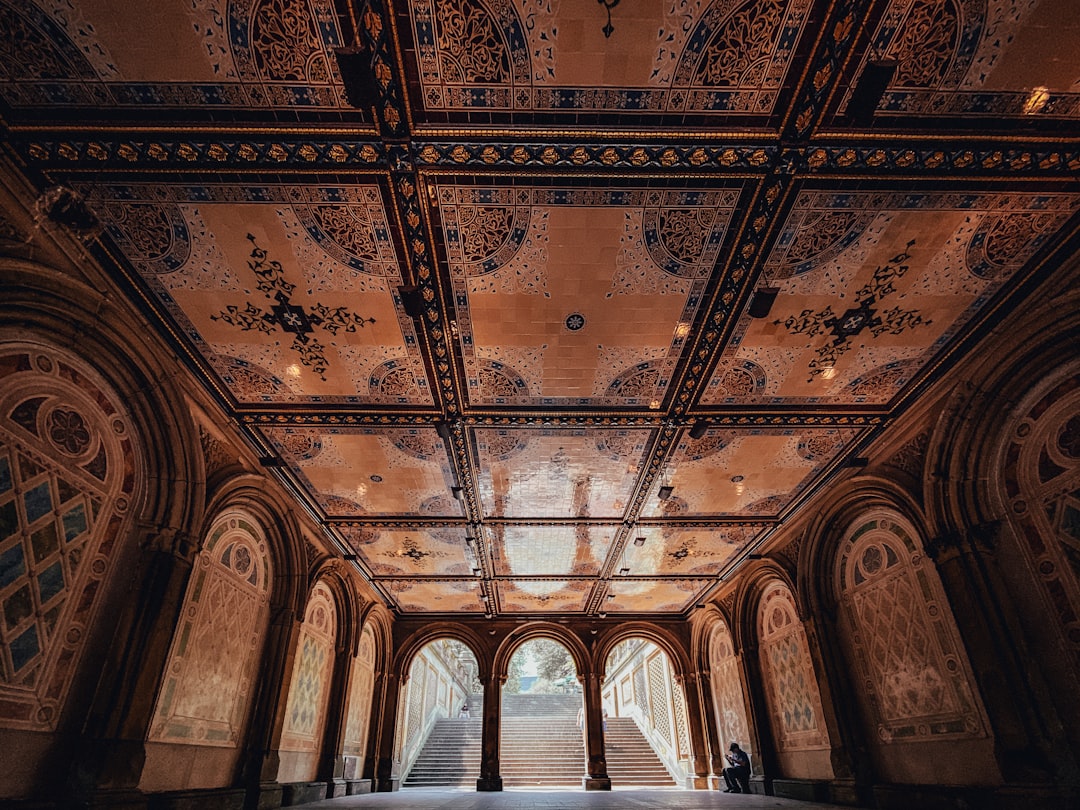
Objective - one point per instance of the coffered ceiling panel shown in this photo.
(288, 291)
(656, 551)
(552, 473)
(649, 56)
(370, 471)
(435, 596)
(243, 54)
(653, 595)
(980, 58)
(578, 296)
(754, 472)
(528, 550)
(424, 551)
(872, 286)
(542, 596)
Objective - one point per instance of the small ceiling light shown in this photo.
(639, 541)
(602, 615)
(699, 429)
(456, 492)
(1037, 100)
(477, 572)
(412, 301)
(624, 572)
(828, 372)
(443, 429)
(761, 301)
(682, 330)
(665, 492)
(350, 557)
(858, 461)
(470, 538)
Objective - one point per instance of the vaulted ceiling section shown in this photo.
(469, 285)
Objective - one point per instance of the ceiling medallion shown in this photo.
(575, 321)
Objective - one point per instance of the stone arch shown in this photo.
(674, 647)
(408, 649)
(378, 618)
(43, 306)
(1002, 481)
(535, 630)
(727, 698)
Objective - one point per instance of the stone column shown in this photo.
(766, 766)
(714, 745)
(387, 767)
(699, 759)
(262, 757)
(596, 775)
(1028, 744)
(332, 761)
(490, 780)
(110, 754)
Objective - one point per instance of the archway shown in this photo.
(438, 730)
(646, 730)
(542, 718)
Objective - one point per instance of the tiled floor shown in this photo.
(415, 799)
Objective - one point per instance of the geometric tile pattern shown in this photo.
(909, 652)
(724, 672)
(66, 480)
(225, 613)
(309, 690)
(794, 701)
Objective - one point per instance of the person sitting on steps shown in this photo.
(737, 775)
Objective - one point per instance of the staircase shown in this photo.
(541, 748)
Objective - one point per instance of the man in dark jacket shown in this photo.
(737, 775)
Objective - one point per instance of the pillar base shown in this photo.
(596, 783)
(716, 783)
(490, 784)
(697, 783)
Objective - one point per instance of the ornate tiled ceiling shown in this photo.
(472, 320)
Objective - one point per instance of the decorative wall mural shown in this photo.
(361, 694)
(216, 647)
(309, 689)
(788, 672)
(915, 678)
(67, 476)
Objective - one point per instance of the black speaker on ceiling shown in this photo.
(869, 90)
(762, 300)
(411, 300)
(354, 64)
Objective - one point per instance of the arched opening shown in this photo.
(542, 718)
(439, 725)
(646, 732)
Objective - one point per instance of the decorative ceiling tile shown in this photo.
(542, 596)
(872, 286)
(434, 551)
(567, 296)
(558, 473)
(726, 56)
(287, 291)
(653, 595)
(258, 54)
(750, 473)
(435, 596)
(980, 58)
(551, 550)
(662, 551)
(371, 471)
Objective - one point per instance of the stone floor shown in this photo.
(673, 799)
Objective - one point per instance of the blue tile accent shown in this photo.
(38, 502)
(50, 582)
(74, 523)
(5, 474)
(12, 565)
(24, 648)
